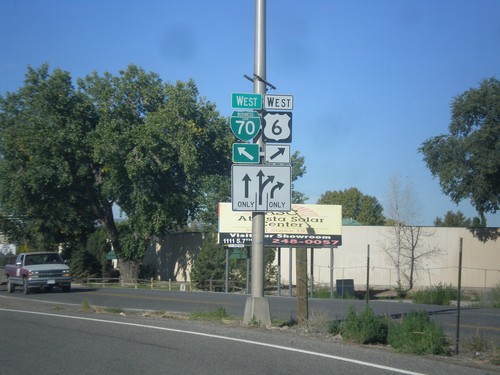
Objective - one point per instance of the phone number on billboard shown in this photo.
(299, 242)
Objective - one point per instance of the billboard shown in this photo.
(306, 225)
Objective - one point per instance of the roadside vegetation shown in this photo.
(413, 333)
(218, 314)
(440, 294)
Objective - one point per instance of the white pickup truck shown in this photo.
(38, 270)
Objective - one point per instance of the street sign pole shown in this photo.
(257, 306)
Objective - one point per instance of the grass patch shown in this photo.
(418, 334)
(254, 322)
(216, 315)
(321, 293)
(440, 294)
(492, 298)
(85, 305)
(477, 344)
(495, 358)
(318, 321)
(363, 328)
(284, 323)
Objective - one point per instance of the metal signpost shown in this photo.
(260, 184)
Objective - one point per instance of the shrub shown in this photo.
(492, 298)
(476, 344)
(440, 294)
(365, 328)
(418, 334)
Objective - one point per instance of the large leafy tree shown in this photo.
(69, 155)
(355, 205)
(46, 161)
(467, 160)
(157, 144)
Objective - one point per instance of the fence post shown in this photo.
(331, 272)
(290, 286)
(279, 271)
(226, 281)
(311, 287)
(368, 275)
(458, 295)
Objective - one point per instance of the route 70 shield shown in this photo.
(261, 188)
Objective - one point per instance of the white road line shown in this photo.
(307, 352)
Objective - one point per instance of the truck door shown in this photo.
(19, 264)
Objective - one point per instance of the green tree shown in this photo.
(355, 205)
(46, 194)
(68, 156)
(467, 160)
(453, 219)
(298, 171)
(210, 262)
(157, 144)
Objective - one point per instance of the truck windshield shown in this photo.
(42, 259)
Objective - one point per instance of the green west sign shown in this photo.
(246, 101)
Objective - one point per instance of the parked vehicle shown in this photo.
(36, 271)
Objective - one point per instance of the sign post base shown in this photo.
(257, 310)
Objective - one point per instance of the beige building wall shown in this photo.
(480, 260)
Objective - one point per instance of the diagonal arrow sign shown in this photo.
(243, 152)
(281, 151)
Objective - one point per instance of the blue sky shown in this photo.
(371, 79)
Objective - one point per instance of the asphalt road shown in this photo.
(473, 322)
(44, 338)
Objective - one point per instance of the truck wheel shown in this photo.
(10, 286)
(66, 288)
(26, 289)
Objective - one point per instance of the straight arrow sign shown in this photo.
(261, 188)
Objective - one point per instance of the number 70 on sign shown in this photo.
(245, 125)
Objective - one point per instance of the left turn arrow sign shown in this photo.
(247, 153)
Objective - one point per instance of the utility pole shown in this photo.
(301, 276)
(257, 306)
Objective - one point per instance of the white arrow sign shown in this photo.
(277, 154)
(261, 188)
(242, 151)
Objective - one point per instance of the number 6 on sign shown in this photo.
(277, 127)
